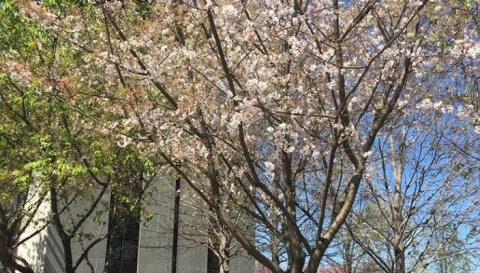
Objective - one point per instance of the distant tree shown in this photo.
(422, 184)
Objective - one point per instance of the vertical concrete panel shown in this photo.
(154, 254)
(242, 264)
(93, 229)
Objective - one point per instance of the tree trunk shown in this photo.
(400, 260)
(348, 267)
(224, 266)
(224, 250)
(64, 237)
(397, 217)
(10, 262)
(68, 258)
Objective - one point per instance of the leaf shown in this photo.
(468, 4)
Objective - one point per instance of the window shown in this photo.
(213, 263)
(122, 244)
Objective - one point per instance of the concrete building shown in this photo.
(142, 247)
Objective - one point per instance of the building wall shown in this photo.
(155, 250)
(34, 249)
(45, 250)
(90, 230)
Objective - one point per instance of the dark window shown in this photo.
(129, 250)
(213, 263)
(122, 244)
(116, 245)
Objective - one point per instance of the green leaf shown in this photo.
(468, 4)
(79, 171)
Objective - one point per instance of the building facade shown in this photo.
(140, 247)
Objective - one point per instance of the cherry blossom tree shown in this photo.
(271, 108)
